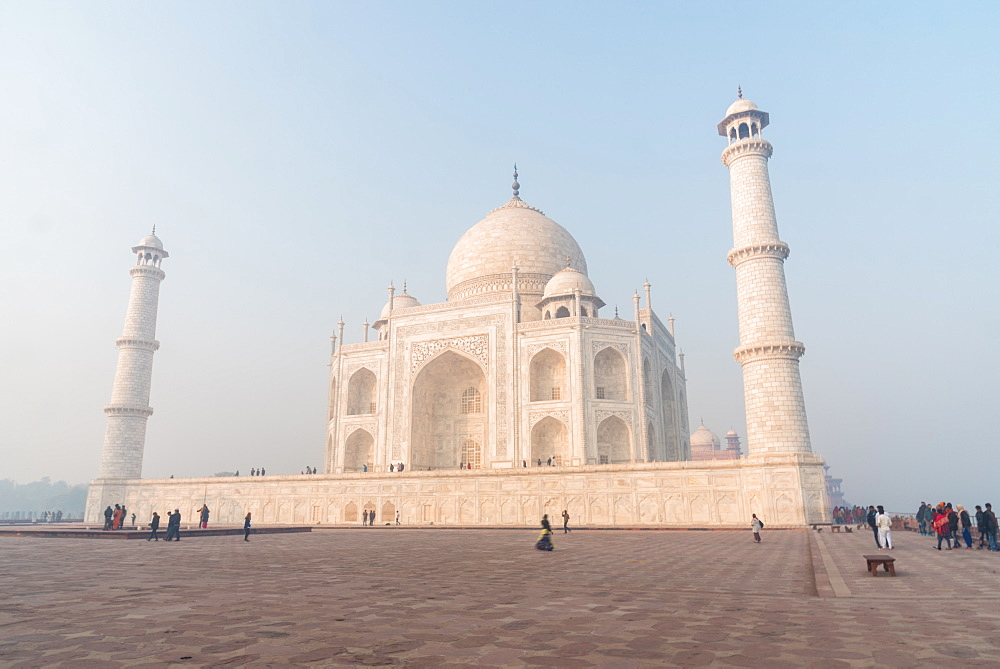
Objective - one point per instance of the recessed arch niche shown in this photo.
(548, 376)
(358, 451)
(361, 393)
(610, 375)
(549, 440)
(439, 426)
(613, 441)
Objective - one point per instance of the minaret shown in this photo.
(768, 351)
(125, 435)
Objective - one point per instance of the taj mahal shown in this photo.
(518, 395)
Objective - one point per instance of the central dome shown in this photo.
(514, 234)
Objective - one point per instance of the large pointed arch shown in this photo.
(668, 413)
(614, 441)
(359, 450)
(550, 439)
(441, 421)
(547, 373)
(611, 375)
(361, 393)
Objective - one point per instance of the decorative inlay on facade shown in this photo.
(536, 416)
(527, 283)
(746, 146)
(365, 345)
(370, 365)
(350, 428)
(598, 346)
(478, 346)
(791, 351)
(601, 414)
(559, 346)
(770, 250)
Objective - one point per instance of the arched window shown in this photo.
(472, 454)
(583, 311)
(732, 135)
(744, 131)
(548, 314)
(755, 130)
(562, 312)
(472, 401)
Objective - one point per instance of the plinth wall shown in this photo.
(783, 490)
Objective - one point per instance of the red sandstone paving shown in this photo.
(384, 597)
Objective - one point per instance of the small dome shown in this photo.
(732, 433)
(566, 281)
(741, 105)
(151, 240)
(401, 301)
(704, 439)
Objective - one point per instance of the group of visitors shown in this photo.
(368, 517)
(849, 515)
(551, 462)
(309, 470)
(114, 519)
(255, 472)
(173, 526)
(881, 525)
(946, 522)
(52, 516)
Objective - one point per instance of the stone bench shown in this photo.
(875, 560)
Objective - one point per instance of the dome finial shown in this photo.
(154, 228)
(404, 286)
(739, 92)
(516, 186)
(568, 261)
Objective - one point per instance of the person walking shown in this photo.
(991, 526)
(966, 522)
(246, 527)
(174, 526)
(756, 525)
(870, 519)
(544, 542)
(565, 516)
(154, 525)
(397, 517)
(884, 523)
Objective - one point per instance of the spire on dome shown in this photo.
(154, 228)
(516, 186)
(404, 286)
(569, 261)
(739, 92)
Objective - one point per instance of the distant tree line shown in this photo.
(31, 500)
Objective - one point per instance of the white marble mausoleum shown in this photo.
(517, 396)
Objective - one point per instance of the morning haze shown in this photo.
(297, 160)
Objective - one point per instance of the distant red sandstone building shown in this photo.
(706, 446)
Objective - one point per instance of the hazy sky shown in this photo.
(296, 157)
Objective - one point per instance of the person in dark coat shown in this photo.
(154, 525)
(108, 515)
(870, 519)
(246, 527)
(203, 511)
(174, 526)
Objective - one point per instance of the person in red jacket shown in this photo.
(941, 526)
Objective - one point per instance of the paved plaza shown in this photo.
(485, 597)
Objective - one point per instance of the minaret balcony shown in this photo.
(745, 147)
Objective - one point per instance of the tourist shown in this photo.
(524, 463)
(237, 473)
(246, 527)
(124, 517)
(371, 518)
(154, 525)
(116, 520)
(884, 523)
(952, 524)
(133, 520)
(392, 468)
(990, 519)
(397, 517)
(203, 516)
(963, 517)
(921, 519)
(756, 526)
(940, 524)
(980, 527)
(109, 514)
(550, 462)
(364, 518)
(565, 515)
(544, 542)
(364, 467)
(399, 468)
(870, 519)
(539, 462)
(174, 526)
(468, 465)
(261, 472)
